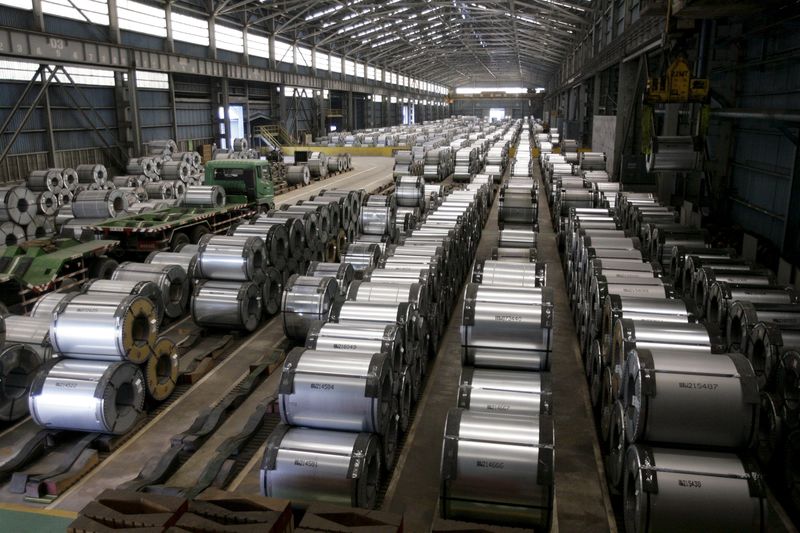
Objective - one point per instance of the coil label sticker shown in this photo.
(690, 483)
(498, 465)
(311, 463)
(345, 346)
(497, 407)
(508, 318)
(322, 386)
(697, 385)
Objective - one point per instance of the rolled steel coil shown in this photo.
(618, 306)
(162, 148)
(19, 364)
(705, 277)
(403, 314)
(92, 174)
(743, 315)
(391, 292)
(333, 164)
(104, 327)
(134, 195)
(336, 220)
(410, 191)
(71, 179)
(518, 208)
(161, 370)
(497, 468)
(787, 385)
(491, 272)
(691, 490)
(515, 255)
(766, 346)
(592, 160)
(47, 303)
(146, 289)
(309, 221)
(175, 170)
(295, 233)
(141, 166)
(694, 264)
(275, 237)
(227, 304)
(170, 278)
(306, 299)
(341, 204)
(772, 431)
(125, 181)
(363, 338)
(333, 390)
(186, 261)
(617, 446)
(17, 205)
(505, 391)
(507, 328)
(298, 175)
(93, 396)
(204, 196)
(722, 293)
(342, 272)
(64, 198)
(324, 228)
(99, 204)
(712, 400)
(517, 238)
(313, 464)
(30, 331)
(405, 399)
(362, 256)
(674, 153)
(39, 228)
(159, 190)
(228, 258)
(178, 188)
(318, 165)
(45, 180)
(679, 255)
(377, 220)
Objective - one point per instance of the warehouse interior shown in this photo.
(413, 265)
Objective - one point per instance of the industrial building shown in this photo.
(426, 266)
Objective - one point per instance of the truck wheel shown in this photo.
(102, 268)
(198, 232)
(179, 239)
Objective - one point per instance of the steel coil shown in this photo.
(391, 292)
(677, 154)
(617, 306)
(766, 346)
(226, 258)
(99, 204)
(186, 261)
(332, 466)
(161, 370)
(30, 331)
(159, 190)
(362, 256)
(743, 315)
(491, 272)
(19, 364)
(342, 272)
(505, 391)
(497, 468)
(306, 299)
(47, 303)
(146, 289)
(334, 213)
(514, 255)
(171, 279)
(39, 228)
(227, 304)
(104, 327)
(721, 294)
(410, 191)
(364, 338)
(309, 221)
(405, 399)
(17, 205)
(45, 180)
(271, 290)
(323, 228)
(377, 220)
(691, 490)
(298, 175)
(617, 446)
(403, 314)
(141, 166)
(93, 396)
(204, 196)
(517, 238)
(175, 170)
(295, 234)
(333, 390)
(90, 174)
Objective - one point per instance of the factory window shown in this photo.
(141, 18)
(370, 72)
(189, 29)
(303, 56)
(257, 45)
(152, 80)
(336, 63)
(359, 70)
(299, 92)
(322, 60)
(19, 4)
(24, 71)
(379, 74)
(284, 51)
(229, 38)
(349, 67)
(377, 98)
(95, 11)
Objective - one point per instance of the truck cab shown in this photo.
(246, 181)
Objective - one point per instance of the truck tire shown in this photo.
(178, 240)
(198, 232)
(102, 268)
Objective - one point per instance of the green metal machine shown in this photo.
(244, 180)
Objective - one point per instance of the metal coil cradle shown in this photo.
(306, 299)
(331, 466)
(93, 396)
(333, 390)
(342, 272)
(507, 328)
(146, 289)
(298, 175)
(161, 370)
(171, 279)
(230, 258)
(19, 364)
(691, 490)
(104, 327)
(228, 304)
(204, 196)
(711, 400)
(497, 468)
(505, 391)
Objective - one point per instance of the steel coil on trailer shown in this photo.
(229, 258)
(17, 205)
(89, 174)
(99, 204)
(19, 364)
(707, 400)
(146, 289)
(491, 272)
(334, 390)
(362, 256)
(497, 468)
(185, 261)
(226, 304)
(321, 465)
(93, 396)
(309, 221)
(765, 348)
(30, 331)
(505, 391)
(104, 327)
(306, 299)
(507, 328)
(298, 175)
(361, 338)
(171, 279)
(743, 315)
(45, 180)
(204, 196)
(517, 238)
(691, 490)
(722, 293)
(342, 272)
(161, 370)
(159, 190)
(295, 234)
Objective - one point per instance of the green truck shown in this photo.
(36, 267)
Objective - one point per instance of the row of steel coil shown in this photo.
(367, 327)
(677, 410)
(497, 455)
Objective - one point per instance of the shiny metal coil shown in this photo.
(505, 391)
(19, 364)
(161, 370)
(305, 300)
(343, 272)
(99, 204)
(298, 175)
(17, 205)
(171, 279)
(295, 233)
(204, 196)
(91, 174)
(146, 289)
(227, 304)
(510, 274)
(364, 338)
(230, 258)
